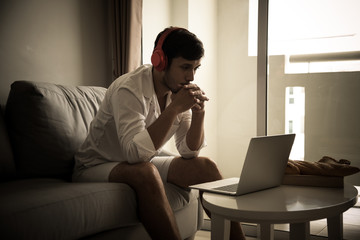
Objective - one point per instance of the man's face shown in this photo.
(180, 72)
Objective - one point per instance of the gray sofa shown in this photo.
(44, 125)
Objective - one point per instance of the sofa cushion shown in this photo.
(47, 123)
(7, 166)
(56, 209)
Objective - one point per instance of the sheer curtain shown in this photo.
(125, 18)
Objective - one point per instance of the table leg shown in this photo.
(220, 227)
(266, 231)
(335, 227)
(300, 231)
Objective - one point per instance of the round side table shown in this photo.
(296, 205)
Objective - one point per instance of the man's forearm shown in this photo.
(161, 127)
(195, 135)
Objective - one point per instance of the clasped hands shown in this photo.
(190, 96)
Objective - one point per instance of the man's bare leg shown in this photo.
(154, 209)
(186, 172)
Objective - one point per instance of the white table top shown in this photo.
(284, 204)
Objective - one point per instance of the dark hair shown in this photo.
(181, 43)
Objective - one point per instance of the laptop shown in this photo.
(264, 167)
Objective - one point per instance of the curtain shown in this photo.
(125, 18)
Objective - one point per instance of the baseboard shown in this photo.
(206, 225)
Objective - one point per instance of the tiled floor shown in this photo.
(318, 229)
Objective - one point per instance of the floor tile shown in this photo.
(317, 227)
(352, 216)
(202, 235)
(282, 227)
(352, 232)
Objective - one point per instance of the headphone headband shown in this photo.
(159, 58)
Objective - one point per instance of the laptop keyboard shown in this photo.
(228, 188)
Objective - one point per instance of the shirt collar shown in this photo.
(149, 89)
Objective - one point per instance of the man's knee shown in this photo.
(205, 163)
(210, 167)
(148, 172)
(136, 175)
(205, 167)
(186, 172)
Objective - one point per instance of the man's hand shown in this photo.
(190, 96)
(195, 135)
(199, 106)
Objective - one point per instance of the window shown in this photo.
(314, 77)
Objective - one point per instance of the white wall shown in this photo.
(227, 74)
(156, 17)
(236, 86)
(59, 41)
(204, 25)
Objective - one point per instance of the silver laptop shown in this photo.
(264, 167)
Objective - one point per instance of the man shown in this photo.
(140, 112)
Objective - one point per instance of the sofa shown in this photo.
(41, 127)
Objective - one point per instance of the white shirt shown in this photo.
(119, 133)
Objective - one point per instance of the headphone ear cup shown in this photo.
(159, 60)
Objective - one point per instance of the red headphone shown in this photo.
(158, 58)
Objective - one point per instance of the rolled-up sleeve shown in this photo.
(129, 116)
(144, 145)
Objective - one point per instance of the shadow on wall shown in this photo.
(63, 42)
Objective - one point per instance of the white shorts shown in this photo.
(101, 172)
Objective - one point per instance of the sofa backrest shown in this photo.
(47, 123)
